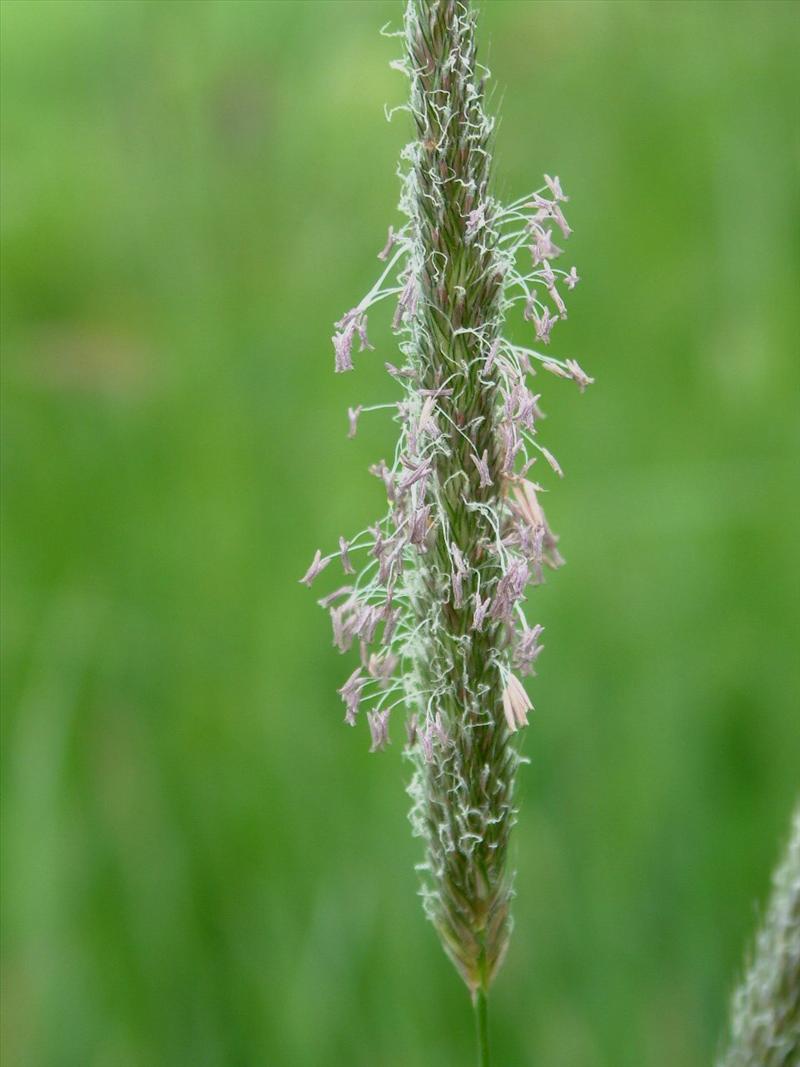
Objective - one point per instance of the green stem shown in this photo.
(480, 1004)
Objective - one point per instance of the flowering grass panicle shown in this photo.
(765, 1016)
(436, 608)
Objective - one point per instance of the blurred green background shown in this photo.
(201, 865)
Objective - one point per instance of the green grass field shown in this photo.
(202, 867)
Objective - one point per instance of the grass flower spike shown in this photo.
(436, 608)
(765, 1013)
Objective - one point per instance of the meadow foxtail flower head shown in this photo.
(765, 1011)
(436, 607)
